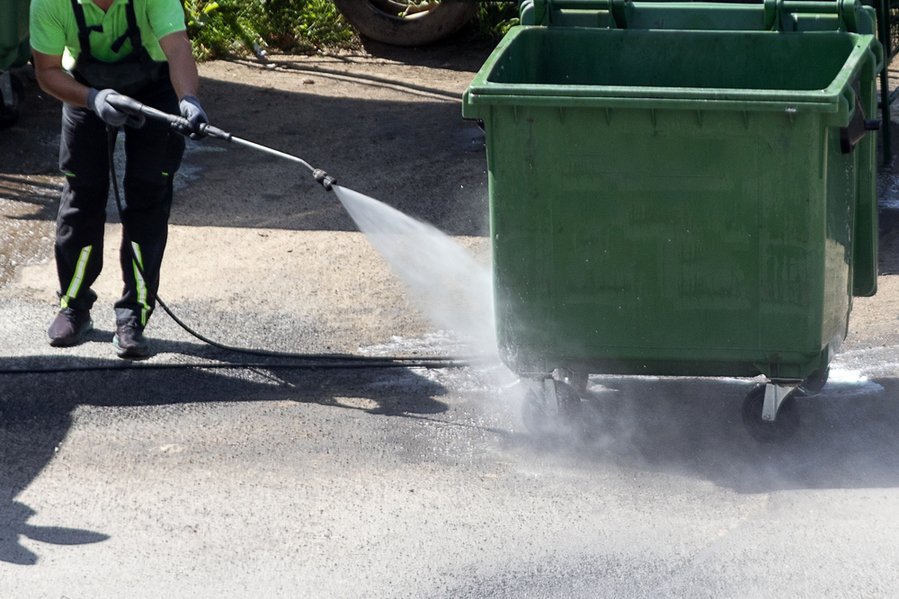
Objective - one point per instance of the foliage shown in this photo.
(494, 19)
(223, 27)
(227, 27)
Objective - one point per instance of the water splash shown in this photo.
(449, 286)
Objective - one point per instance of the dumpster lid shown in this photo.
(740, 15)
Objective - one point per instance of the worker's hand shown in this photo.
(193, 112)
(109, 114)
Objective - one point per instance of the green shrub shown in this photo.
(234, 27)
(494, 19)
(225, 27)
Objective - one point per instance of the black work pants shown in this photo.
(152, 155)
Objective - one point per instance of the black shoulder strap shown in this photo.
(84, 32)
(132, 33)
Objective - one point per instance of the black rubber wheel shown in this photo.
(543, 419)
(814, 383)
(784, 426)
(406, 23)
(9, 115)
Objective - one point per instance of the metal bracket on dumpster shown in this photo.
(796, 15)
(775, 395)
(857, 128)
(550, 12)
(550, 397)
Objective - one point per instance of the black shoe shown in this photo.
(129, 341)
(69, 327)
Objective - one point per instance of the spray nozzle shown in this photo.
(326, 180)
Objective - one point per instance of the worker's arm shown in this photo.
(182, 67)
(185, 80)
(59, 84)
(54, 80)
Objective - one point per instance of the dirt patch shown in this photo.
(387, 125)
(255, 234)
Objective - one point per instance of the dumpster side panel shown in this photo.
(865, 232)
(654, 238)
(841, 178)
(699, 221)
(792, 206)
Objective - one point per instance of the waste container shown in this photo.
(680, 189)
(14, 52)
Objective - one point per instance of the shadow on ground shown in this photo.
(36, 413)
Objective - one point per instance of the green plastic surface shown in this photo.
(14, 49)
(677, 202)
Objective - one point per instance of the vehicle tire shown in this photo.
(387, 21)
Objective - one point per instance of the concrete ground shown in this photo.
(248, 476)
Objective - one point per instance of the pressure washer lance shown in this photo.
(131, 106)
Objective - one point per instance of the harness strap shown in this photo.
(84, 31)
(133, 31)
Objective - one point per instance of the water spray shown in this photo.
(298, 360)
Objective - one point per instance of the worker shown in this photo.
(86, 53)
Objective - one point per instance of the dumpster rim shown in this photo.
(482, 92)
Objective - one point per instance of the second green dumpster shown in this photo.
(14, 52)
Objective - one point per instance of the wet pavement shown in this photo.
(204, 473)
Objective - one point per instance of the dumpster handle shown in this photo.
(858, 126)
(877, 50)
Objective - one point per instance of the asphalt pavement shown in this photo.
(206, 473)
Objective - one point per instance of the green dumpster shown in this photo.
(14, 52)
(680, 189)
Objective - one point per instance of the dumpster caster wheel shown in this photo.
(814, 383)
(577, 379)
(779, 428)
(551, 408)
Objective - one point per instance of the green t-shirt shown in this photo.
(54, 30)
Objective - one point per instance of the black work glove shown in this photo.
(109, 114)
(193, 112)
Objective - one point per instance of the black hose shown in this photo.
(313, 363)
(298, 360)
(302, 360)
